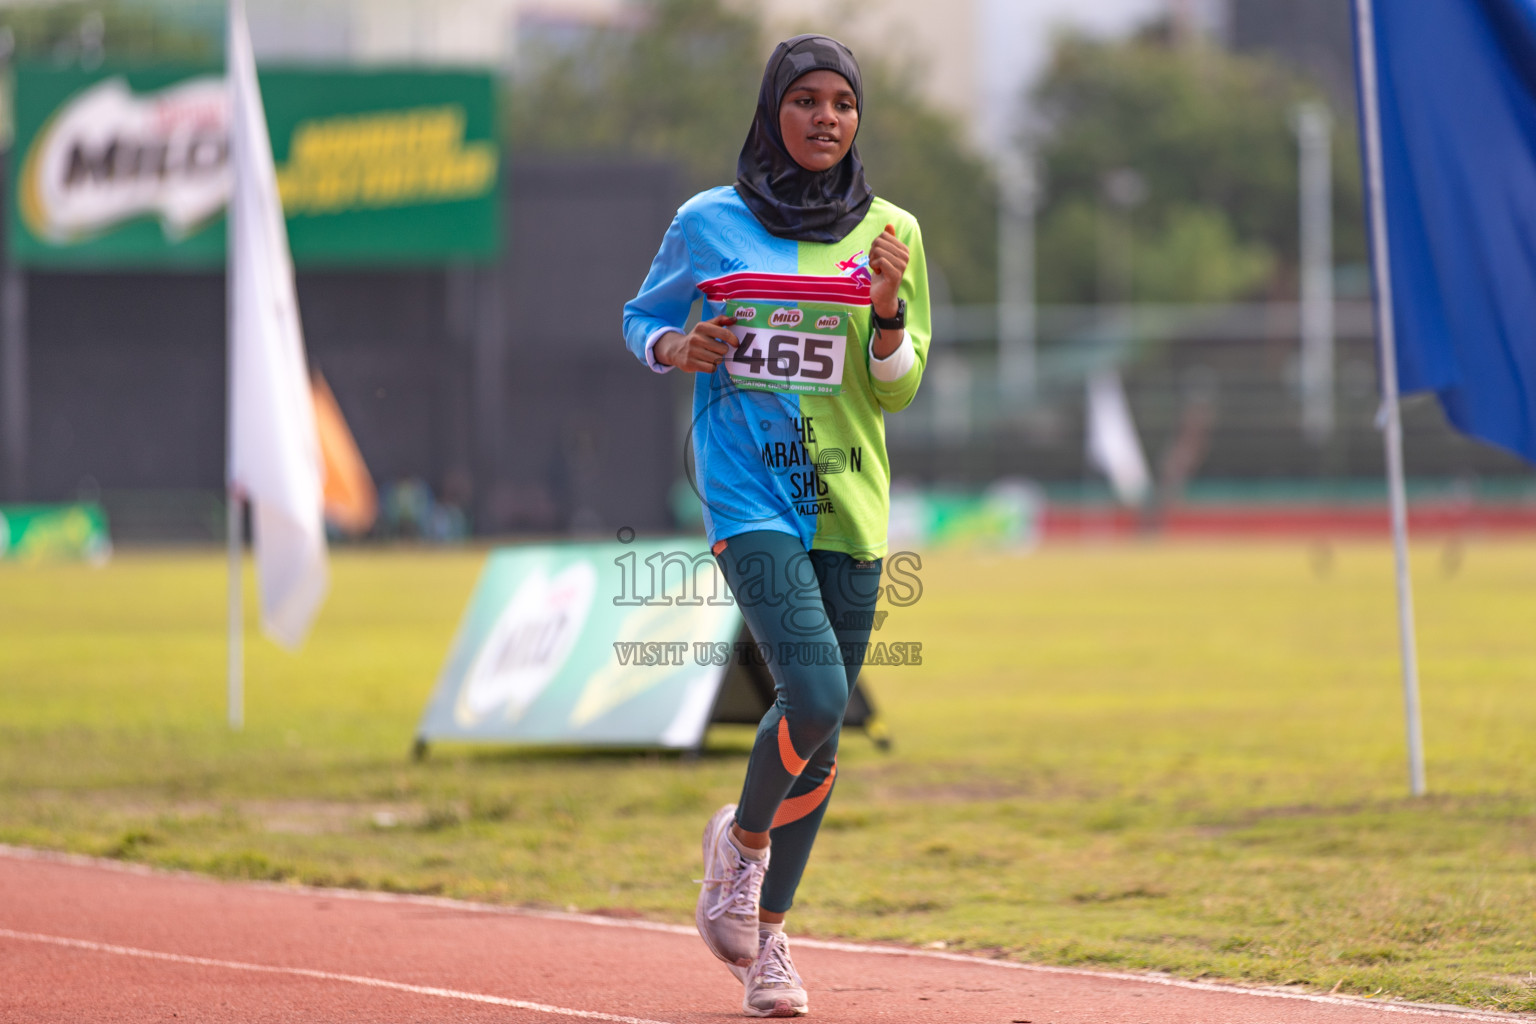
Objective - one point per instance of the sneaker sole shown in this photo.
(782, 1008)
(701, 909)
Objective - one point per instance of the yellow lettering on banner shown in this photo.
(328, 187)
(334, 190)
(382, 185)
(385, 159)
(438, 131)
(479, 162)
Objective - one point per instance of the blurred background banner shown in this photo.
(129, 168)
(1458, 135)
(1008, 514)
(588, 644)
(32, 533)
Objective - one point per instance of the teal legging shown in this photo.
(811, 613)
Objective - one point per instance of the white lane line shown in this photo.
(444, 903)
(464, 906)
(304, 972)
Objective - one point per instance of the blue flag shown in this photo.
(1458, 135)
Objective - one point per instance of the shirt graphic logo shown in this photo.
(856, 267)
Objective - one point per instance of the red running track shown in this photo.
(91, 941)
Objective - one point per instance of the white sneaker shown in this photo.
(727, 910)
(774, 988)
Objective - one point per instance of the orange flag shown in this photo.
(351, 502)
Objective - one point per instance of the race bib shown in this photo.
(789, 347)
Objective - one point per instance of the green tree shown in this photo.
(915, 157)
(89, 34)
(680, 86)
(1208, 136)
(92, 32)
(680, 83)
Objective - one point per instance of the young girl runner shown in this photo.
(815, 325)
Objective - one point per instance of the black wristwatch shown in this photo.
(894, 323)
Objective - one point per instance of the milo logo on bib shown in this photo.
(800, 351)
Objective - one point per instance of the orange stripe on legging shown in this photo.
(793, 762)
(797, 807)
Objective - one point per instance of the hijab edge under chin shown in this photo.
(788, 200)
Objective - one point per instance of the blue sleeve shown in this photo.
(667, 295)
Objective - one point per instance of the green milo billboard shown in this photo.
(130, 168)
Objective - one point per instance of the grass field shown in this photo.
(1172, 757)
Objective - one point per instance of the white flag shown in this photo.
(1112, 443)
(274, 450)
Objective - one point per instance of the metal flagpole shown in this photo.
(1016, 277)
(236, 616)
(1390, 418)
(235, 503)
(1313, 126)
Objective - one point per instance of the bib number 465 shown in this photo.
(788, 355)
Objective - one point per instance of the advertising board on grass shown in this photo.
(36, 533)
(130, 168)
(587, 645)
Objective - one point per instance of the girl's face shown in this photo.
(818, 119)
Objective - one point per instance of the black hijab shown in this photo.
(788, 200)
